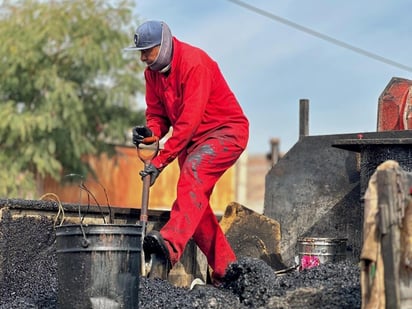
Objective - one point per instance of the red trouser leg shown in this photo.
(191, 214)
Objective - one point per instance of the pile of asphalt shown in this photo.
(253, 284)
(28, 263)
(28, 279)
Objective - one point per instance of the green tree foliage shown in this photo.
(67, 89)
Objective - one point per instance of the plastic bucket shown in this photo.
(98, 266)
(324, 249)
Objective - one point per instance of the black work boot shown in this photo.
(155, 248)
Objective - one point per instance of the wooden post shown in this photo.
(390, 234)
(303, 118)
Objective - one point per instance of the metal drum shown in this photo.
(325, 249)
(98, 266)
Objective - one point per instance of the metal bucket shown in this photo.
(98, 266)
(325, 249)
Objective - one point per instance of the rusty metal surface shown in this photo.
(119, 176)
(392, 103)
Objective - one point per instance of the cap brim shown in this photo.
(132, 49)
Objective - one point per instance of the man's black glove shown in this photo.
(139, 133)
(151, 170)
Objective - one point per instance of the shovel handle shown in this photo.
(145, 199)
(150, 140)
(148, 149)
(146, 152)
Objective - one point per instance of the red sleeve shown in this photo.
(196, 85)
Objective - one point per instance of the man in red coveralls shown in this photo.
(186, 90)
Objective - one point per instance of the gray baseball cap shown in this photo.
(147, 35)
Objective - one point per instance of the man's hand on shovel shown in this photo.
(147, 149)
(151, 170)
(140, 133)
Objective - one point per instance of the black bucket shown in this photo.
(98, 266)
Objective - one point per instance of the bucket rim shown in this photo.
(93, 229)
(312, 239)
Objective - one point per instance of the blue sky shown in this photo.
(270, 66)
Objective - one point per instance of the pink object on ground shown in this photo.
(309, 261)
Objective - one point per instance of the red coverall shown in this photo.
(210, 131)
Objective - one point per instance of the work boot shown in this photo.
(154, 246)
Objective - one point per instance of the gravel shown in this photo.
(253, 284)
(28, 279)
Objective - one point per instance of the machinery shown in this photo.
(395, 106)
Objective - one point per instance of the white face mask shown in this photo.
(164, 58)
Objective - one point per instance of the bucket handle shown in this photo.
(83, 187)
(85, 242)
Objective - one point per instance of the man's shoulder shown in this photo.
(190, 53)
(185, 46)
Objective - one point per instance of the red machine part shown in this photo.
(395, 106)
